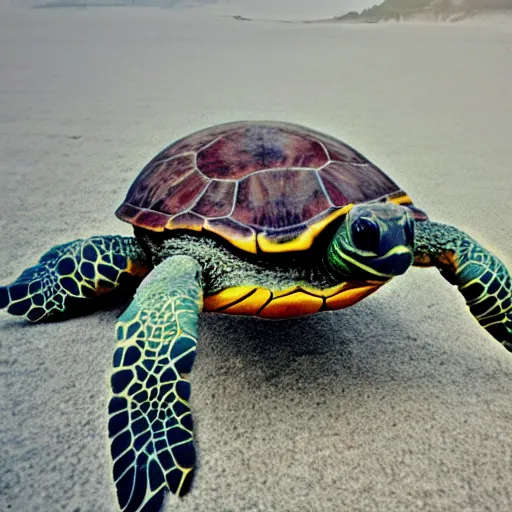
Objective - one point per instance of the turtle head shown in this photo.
(375, 242)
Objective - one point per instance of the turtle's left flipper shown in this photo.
(481, 277)
(70, 273)
(150, 423)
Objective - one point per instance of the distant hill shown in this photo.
(449, 10)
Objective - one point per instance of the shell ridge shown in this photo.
(277, 169)
(211, 143)
(181, 179)
(174, 157)
(324, 147)
(192, 205)
(235, 194)
(322, 186)
(322, 167)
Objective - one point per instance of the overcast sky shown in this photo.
(283, 9)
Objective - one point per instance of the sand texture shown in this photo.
(400, 403)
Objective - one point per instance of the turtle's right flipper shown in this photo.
(70, 273)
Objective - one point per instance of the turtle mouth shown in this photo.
(395, 262)
(355, 264)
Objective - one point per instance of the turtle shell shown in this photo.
(262, 186)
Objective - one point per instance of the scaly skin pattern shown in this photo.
(72, 272)
(150, 423)
(481, 277)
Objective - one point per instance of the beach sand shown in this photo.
(399, 403)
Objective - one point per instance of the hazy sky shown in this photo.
(283, 9)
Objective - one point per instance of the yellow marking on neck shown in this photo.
(361, 265)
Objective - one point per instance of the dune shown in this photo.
(432, 10)
(399, 403)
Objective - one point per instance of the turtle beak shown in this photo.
(395, 235)
(394, 263)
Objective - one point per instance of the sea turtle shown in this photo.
(268, 219)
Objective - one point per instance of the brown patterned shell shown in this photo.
(263, 186)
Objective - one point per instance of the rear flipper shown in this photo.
(71, 273)
(481, 277)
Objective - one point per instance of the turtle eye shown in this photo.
(365, 234)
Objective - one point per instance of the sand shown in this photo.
(400, 403)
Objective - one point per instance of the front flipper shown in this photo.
(69, 273)
(150, 423)
(481, 277)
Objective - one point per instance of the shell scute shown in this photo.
(190, 144)
(217, 199)
(150, 219)
(181, 195)
(343, 183)
(186, 220)
(155, 181)
(254, 148)
(279, 200)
